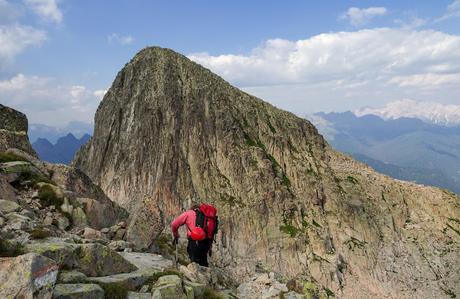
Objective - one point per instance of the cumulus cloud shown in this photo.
(45, 100)
(48, 10)
(346, 70)
(372, 54)
(361, 16)
(15, 38)
(120, 39)
(428, 111)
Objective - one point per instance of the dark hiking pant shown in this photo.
(198, 251)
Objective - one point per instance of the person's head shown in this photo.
(195, 205)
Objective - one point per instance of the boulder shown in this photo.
(72, 276)
(8, 206)
(130, 281)
(293, 295)
(27, 276)
(197, 289)
(168, 286)
(90, 233)
(146, 222)
(99, 210)
(200, 274)
(63, 253)
(78, 291)
(119, 245)
(134, 295)
(13, 130)
(147, 260)
(99, 260)
(7, 192)
(19, 222)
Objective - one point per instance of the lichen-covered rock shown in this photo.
(199, 274)
(78, 291)
(195, 289)
(99, 260)
(13, 130)
(128, 281)
(168, 286)
(27, 276)
(63, 253)
(71, 276)
(171, 131)
(8, 206)
(135, 295)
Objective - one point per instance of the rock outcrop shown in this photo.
(169, 131)
(13, 130)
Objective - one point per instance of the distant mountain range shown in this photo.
(61, 152)
(77, 128)
(430, 112)
(403, 148)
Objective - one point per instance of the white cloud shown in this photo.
(361, 16)
(48, 10)
(100, 93)
(348, 57)
(15, 38)
(346, 70)
(428, 80)
(120, 39)
(452, 11)
(45, 100)
(428, 111)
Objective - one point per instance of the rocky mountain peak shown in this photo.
(169, 132)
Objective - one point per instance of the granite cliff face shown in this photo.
(169, 131)
(13, 130)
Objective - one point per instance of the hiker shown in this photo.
(201, 222)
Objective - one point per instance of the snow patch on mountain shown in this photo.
(432, 112)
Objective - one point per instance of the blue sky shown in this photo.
(58, 56)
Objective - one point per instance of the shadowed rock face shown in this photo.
(169, 131)
(13, 130)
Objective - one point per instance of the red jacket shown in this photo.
(188, 218)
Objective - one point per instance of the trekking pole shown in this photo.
(175, 260)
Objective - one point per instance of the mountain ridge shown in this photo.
(169, 132)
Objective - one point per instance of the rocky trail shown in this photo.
(61, 237)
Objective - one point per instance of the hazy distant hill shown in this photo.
(404, 148)
(61, 152)
(52, 134)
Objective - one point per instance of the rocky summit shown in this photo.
(169, 132)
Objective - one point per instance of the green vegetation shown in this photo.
(209, 293)
(329, 293)
(352, 180)
(168, 271)
(10, 157)
(10, 249)
(39, 233)
(30, 178)
(449, 293)
(316, 223)
(48, 197)
(454, 220)
(285, 181)
(114, 290)
(289, 229)
(272, 129)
